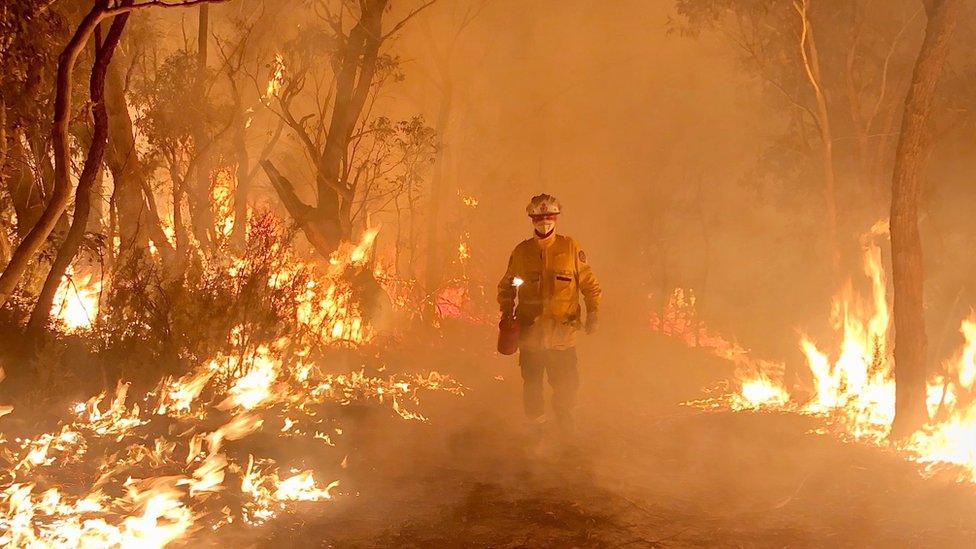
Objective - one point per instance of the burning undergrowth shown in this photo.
(199, 452)
(145, 321)
(851, 385)
(248, 417)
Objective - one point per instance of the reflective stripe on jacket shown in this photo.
(554, 272)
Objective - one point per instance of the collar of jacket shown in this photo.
(547, 241)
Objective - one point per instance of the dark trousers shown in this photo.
(561, 368)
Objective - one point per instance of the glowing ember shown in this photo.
(468, 201)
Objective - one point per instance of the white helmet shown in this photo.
(543, 204)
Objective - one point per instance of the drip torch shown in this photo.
(508, 326)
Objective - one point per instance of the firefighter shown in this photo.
(541, 288)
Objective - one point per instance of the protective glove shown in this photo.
(592, 323)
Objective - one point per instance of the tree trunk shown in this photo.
(201, 211)
(323, 238)
(61, 193)
(433, 274)
(3, 136)
(123, 162)
(328, 222)
(812, 67)
(906, 246)
(96, 221)
(154, 226)
(93, 166)
(5, 249)
(239, 232)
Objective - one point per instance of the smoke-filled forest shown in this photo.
(487, 273)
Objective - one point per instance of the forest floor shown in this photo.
(645, 471)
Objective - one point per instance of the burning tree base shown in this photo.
(200, 452)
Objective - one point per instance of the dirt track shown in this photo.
(647, 472)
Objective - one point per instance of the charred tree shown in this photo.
(83, 193)
(906, 246)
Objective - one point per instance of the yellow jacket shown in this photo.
(554, 272)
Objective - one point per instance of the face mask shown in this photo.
(544, 226)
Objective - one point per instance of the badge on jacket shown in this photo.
(582, 257)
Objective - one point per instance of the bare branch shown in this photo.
(396, 28)
(812, 70)
(884, 70)
(111, 12)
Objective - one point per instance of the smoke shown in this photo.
(681, 163)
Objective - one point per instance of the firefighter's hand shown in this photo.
(592, 323)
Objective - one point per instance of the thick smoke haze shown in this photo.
(250, 257)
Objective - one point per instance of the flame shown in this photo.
(83, 484)
(952, 440)
(301, 487)
(177, 396)
(254, 387)
(277, 78)
(110, 436)
(858, 384)
(222, 198)
(76, 301)
(4, 408)
(759, 391)
(327, 306)
(757, 379)
(854, 387)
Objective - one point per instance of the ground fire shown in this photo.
(486, 273)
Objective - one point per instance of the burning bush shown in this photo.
(144, 321)
(227, 355)
(218, 306)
